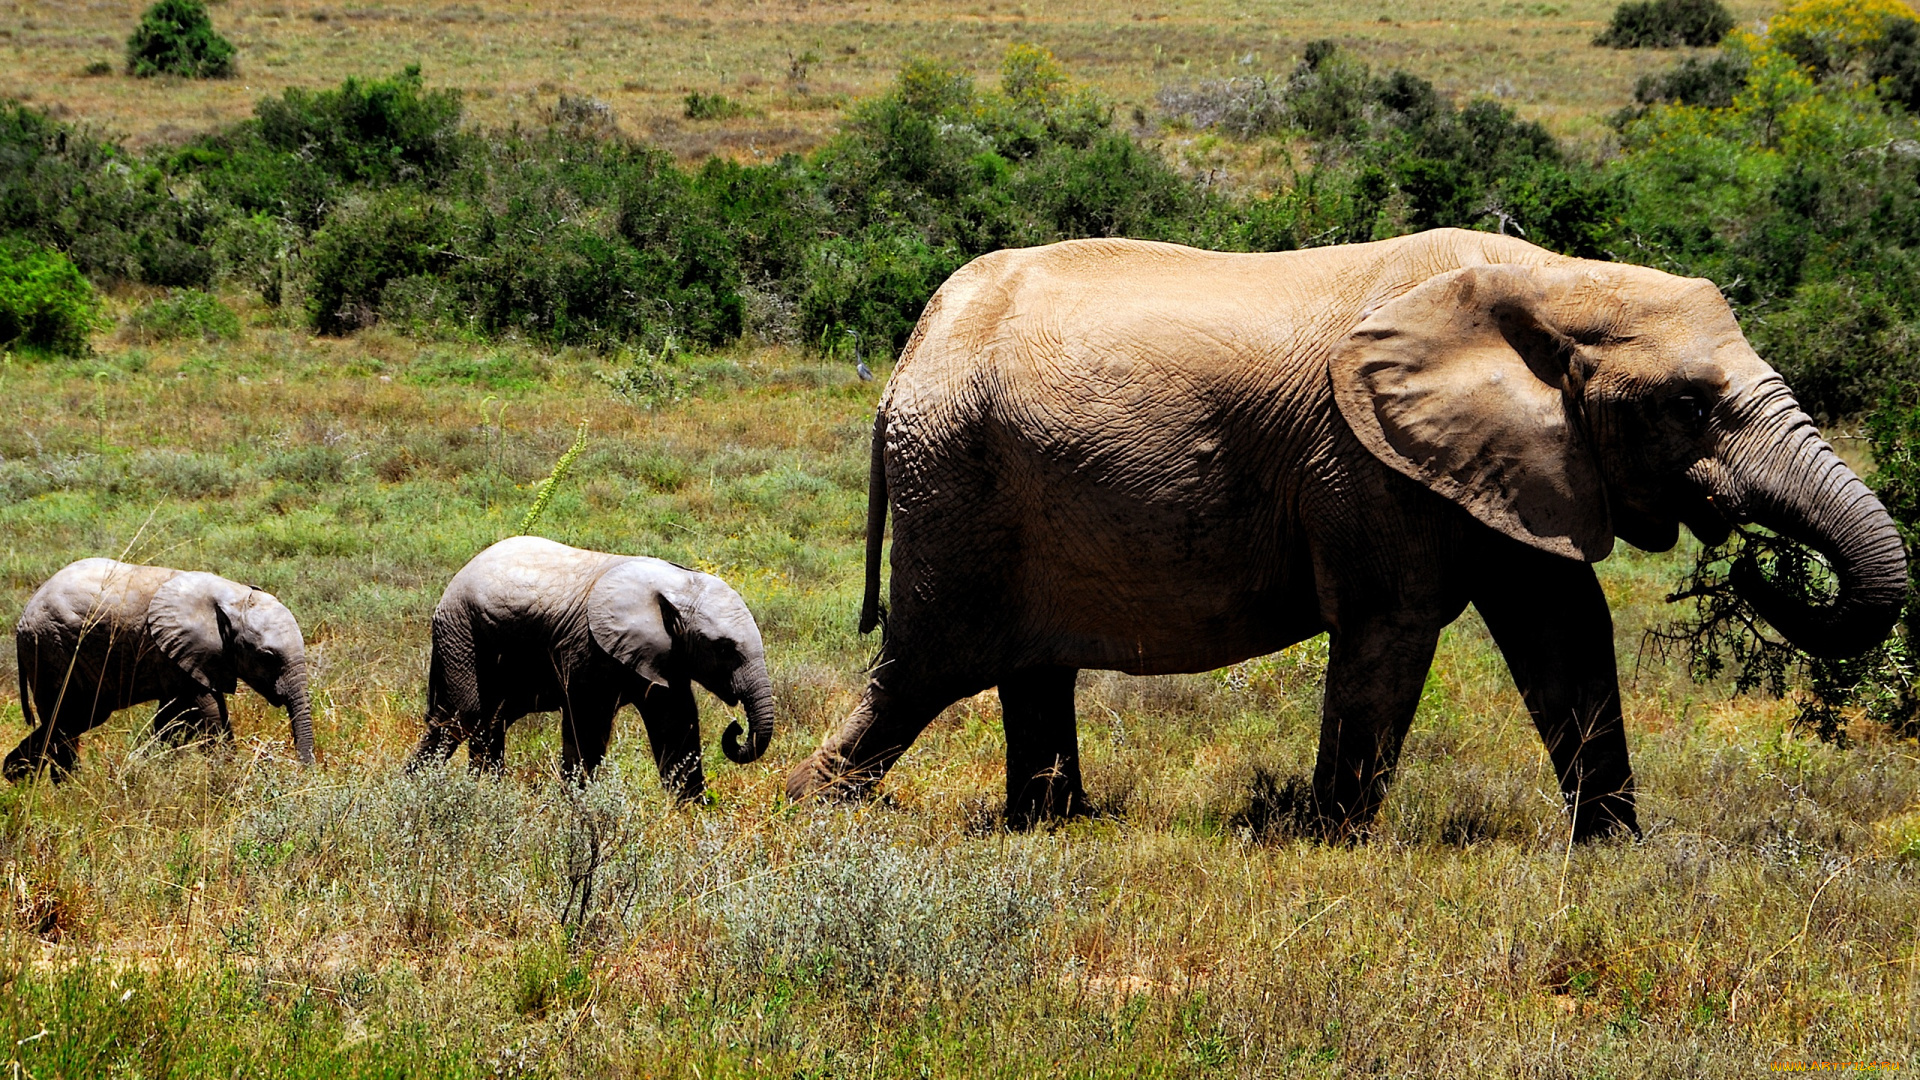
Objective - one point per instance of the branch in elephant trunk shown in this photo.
(1803, 491)
(754, 687)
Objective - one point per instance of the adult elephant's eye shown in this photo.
(1690, 410)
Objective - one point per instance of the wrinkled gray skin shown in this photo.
(1137, 456)
(531, 626)
(102, 635)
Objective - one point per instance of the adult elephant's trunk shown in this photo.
(1780, 474)
(754, 687)
(292, 691)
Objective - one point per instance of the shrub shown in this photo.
(1244, 107)
(188, 313)
(875, 285)
(1840, 344)
(652, 380)
(110, 212)
(1710, 84)
(300, 149)
(366, 246)
(175, 37)
(701, 106)
(1329, 91)
(1895, 64)
(375, 131)
(1829, 37)
(45, 303)
(1666, 24)
(578, 116)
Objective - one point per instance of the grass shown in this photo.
(175, 914)
(794, 66)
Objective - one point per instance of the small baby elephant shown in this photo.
(531, 625)
(102, 635)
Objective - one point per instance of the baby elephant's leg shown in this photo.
(55, 744)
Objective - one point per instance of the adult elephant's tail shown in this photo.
(871, 614)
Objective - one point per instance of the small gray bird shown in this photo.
(859, 365)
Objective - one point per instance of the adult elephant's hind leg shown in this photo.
(1551, 621)
(1375, 672)
(1043, 746)
(866, 744)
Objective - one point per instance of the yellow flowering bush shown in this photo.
(1833, 35)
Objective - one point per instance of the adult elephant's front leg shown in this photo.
(1043, 746)
(1375, 672)
(1551, 621)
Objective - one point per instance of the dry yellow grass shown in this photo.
(643, 58)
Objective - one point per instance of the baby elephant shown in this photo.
(102, 635)
(531, 626)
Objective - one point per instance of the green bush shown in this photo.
(1710, 84)
(875, 285)
(110, 212)
(1895, 64)
(363, 247)
(1666, 24)
(293, 159)
(701, 106)
(188, 313)
(45, 304)
(175, 37)
(374, 131)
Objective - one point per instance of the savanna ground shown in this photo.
(796, 64)
(175, 913)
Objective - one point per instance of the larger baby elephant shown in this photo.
(1115, 454)
(531, 626)
(102, 635)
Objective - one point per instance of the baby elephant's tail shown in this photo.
(22, 671)
(871, 613)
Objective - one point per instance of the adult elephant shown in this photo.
(102, 635)
(531, 626)
(1138, 456)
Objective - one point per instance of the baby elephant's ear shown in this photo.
(189, 619)
(628, 614)
(1468, 385)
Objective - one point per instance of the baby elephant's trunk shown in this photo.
(754, 687)
(292, 690)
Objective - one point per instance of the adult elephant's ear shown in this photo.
(1467, 385)
(191, 619)
(628, 617)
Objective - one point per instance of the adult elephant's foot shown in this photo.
(829, 775)
(1041, 789)
(1606, 818)
(1044, 800)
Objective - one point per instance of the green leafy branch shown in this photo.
(552, 482)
